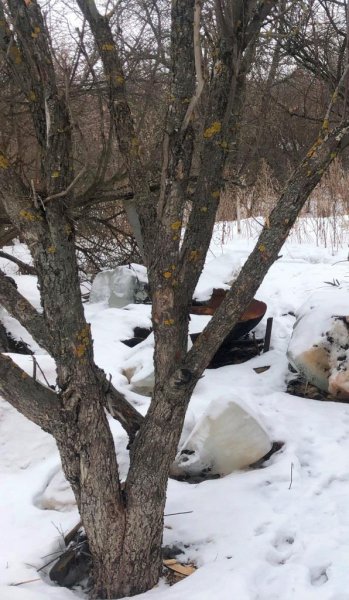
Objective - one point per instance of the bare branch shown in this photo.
(121, 410)
(122, 119)
(198, 66)
(335, 95)
(32, 399)
(268, 246)
(24, 312)
(68, 189)
(24, 267)
(263, 11)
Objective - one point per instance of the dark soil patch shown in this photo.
(303, 389)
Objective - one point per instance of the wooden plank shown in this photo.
(178, 568)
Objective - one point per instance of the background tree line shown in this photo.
(297, 65)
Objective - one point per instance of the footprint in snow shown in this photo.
(318, 575)
(282, 549)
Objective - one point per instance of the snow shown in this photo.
(319, 344)
(280, 532)
(315, 317)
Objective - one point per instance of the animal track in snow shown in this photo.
(262, 528)
(318, 575)
(282, 549)
(283, 541)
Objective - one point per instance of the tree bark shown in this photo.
(35, 401)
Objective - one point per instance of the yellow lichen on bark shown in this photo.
(224, 144)
(80, 350)
(3, 161)
(108, 47)
(15, 54)
(27, 215)
(84, 341)
(35, 32)
(176, 225)
(212, 130)
(194, 255)
(312, 151)
(134, 146)
(169, 322)
(32, 96)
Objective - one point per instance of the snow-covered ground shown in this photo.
(280, 532)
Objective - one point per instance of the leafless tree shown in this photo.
(208, 72)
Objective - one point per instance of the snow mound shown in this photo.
(319, 347)
(57, 495)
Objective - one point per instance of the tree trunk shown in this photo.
(89, 462)
(124, 527)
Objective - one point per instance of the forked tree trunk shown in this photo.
(124, 523)
(124, 527)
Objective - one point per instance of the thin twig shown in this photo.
(46, 564)
(69, 188)
(187, 512)
(41, 371)
(325, 124)
(165, 163)
(35, 199)
(27, 581)
(198, 66)
(289, 487)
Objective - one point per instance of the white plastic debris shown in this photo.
(319, 346)
(121, 286)
(225, 439)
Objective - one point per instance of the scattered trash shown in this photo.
(226, 438)
(260, 370)
(268, 331)
(319, 346)
(237, 347)
(74, 564)
(177, 571)
(121, 286)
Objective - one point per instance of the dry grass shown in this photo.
(326, 211)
